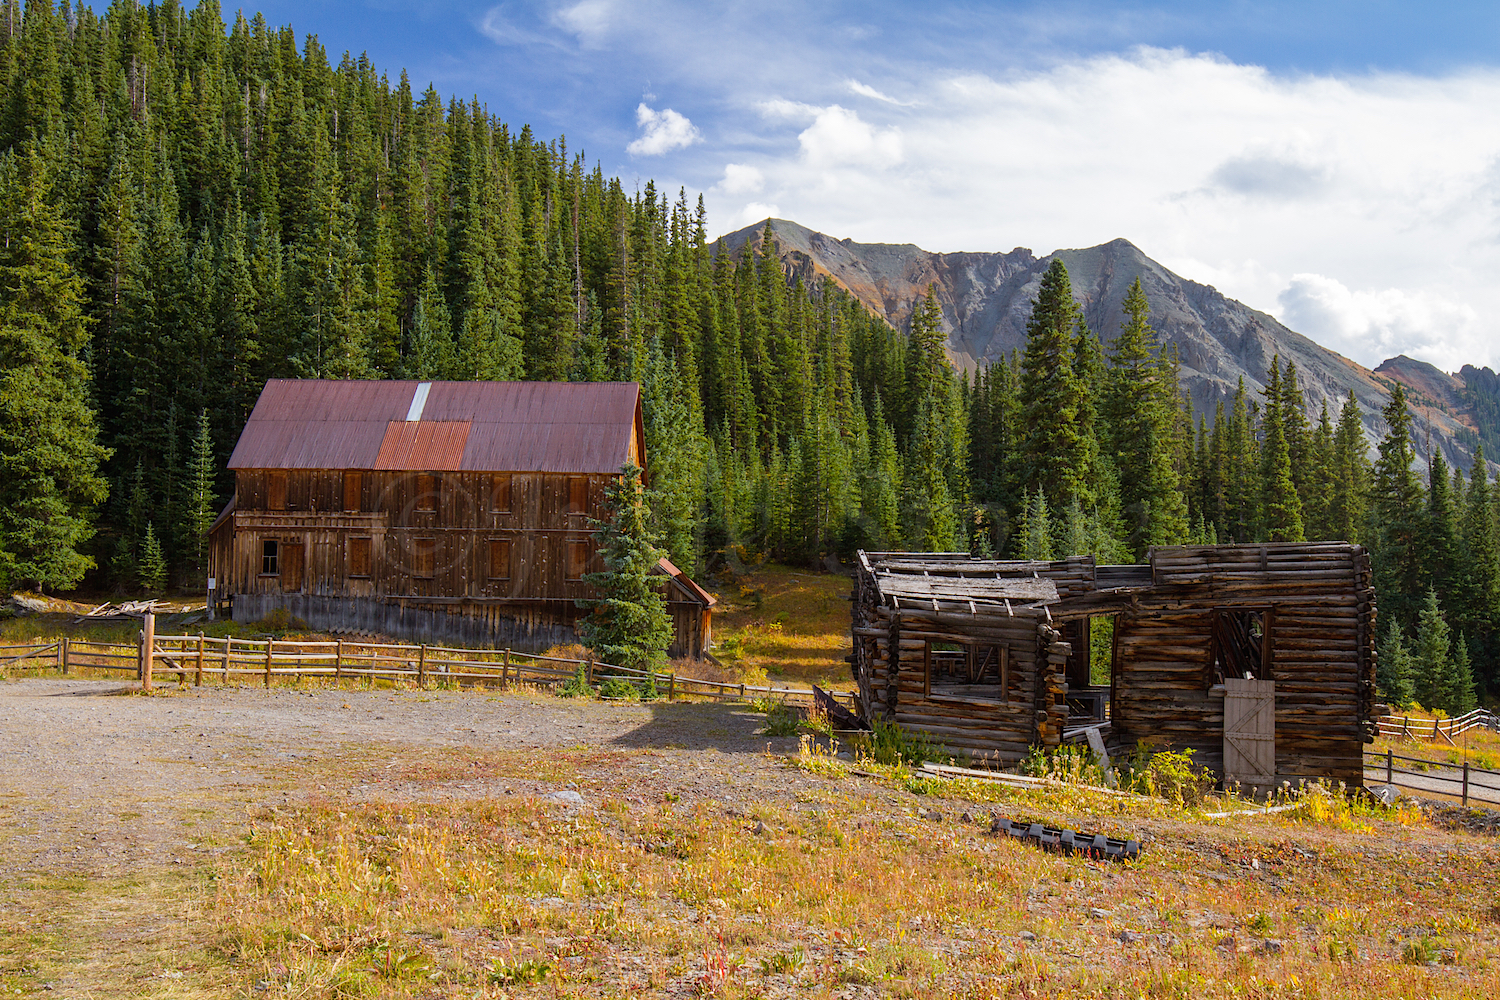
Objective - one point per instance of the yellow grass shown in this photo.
(791, 624)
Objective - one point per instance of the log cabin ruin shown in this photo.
(1259, 658)
(436, 511)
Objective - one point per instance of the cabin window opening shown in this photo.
(427, 491)
(1240, 645)
(578, 558)
(424, 551)
(359, 557)
(499, 568)
(578, 494)
(500, 493)
(276, 491)
(270, 557)
(967, 671)
(353, 490)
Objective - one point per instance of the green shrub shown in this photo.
(1072, 764)
(1170, 774)
(618, 687)
(576, 686)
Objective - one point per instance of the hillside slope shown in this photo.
(986, 299)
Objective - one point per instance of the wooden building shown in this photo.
(1260, 658)
(443, 511)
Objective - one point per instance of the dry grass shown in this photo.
(849, 892)
(789, 624)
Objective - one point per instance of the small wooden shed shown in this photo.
(443, 511)
(1259, 658)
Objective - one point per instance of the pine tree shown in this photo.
(1351, 475)
(1440, 542)
(1281, 507)
(1394, 669)
(1396, 515)
(200, 505)
(1459, 689)
(1432, 664)
(1035, 530)
(49, 457)
(153, 564)
(1055, 446)
(628, 622)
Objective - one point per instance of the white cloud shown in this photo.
(590, 20)
(1385, 184)
(865, 90)
(662, 132)
(840, 137)
(755, 211)
(1388, 322)
(740, 178)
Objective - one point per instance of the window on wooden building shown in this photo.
(359, 556)
(578, 494)
(499, 568)
(423, 557)
(276, 491)
(500, 492)
(578, 558)
(1239, 645)
(353, 490)
(270, 557)
(427, 491)
(967, 671)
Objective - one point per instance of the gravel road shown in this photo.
(1441, 781)
(96, 779)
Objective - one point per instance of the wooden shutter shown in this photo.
(359, 557)
(423, 552)
(578, 558)
(1250, 732)
(500, 492)
(578, 494)
(499, 568)
(276, 491)
(353, 490)
(427, 491)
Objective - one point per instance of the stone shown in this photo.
(1128, 937)
(1270, 946)
(1097, 913)
(566, 796)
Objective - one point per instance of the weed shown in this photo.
(887, 743)
(783, 720)
(618, 687)
(783, 963)
(520, 974)
(1073, 765)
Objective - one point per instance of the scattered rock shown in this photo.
(1128, 937)
(1270, 946)
(933, 815)
(1026, 936)
(1228, 941)
(759, 829)
(566, 796)
(1097, 913)
(1386, 795)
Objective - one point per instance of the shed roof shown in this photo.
(561, 427)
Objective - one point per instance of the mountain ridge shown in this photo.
(986, 299)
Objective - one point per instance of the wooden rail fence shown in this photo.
(1432, 729)
(192, 659)
(1468, 779)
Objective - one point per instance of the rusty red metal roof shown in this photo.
(560, 427)
(670, 568)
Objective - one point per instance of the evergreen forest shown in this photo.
(189, 208)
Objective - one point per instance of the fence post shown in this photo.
(148, 650)
(1466, 784)
(422, 666)
(1435, 728)
(589, 673)
(1389, 767)
(228, 651)
(672, 685)
(62, 655)
(338, 661)
(270, 645)
(198, 675)
(505, 668)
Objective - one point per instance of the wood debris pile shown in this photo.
(109, 612)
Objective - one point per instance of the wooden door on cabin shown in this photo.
(1250, 732)
(291, 567)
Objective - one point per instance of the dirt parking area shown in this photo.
(111, 800)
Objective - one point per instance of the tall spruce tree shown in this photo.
(1397, 515)
(628, 623)
(1394, 668)
(1432, 656)
(49, 455)
(1056, 444)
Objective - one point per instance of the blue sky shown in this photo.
(1336, 164)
